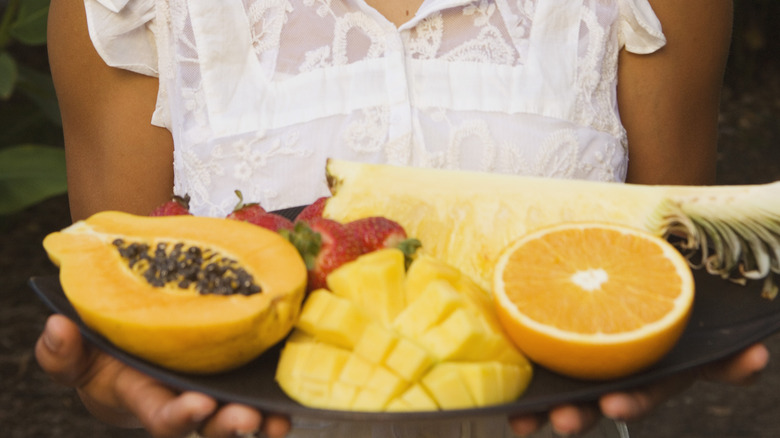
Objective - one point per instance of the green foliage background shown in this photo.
(32, 160)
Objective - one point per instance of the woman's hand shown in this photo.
(120, 395)
(740, 369)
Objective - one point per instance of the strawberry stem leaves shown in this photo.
(307, 241)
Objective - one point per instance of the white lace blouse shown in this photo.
(258, 93)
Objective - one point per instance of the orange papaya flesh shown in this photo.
(180, 329)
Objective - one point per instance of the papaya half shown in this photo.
(192, 294)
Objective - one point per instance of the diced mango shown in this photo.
(445, 384)
(483, 380)
(342, 395)
(459, 337)
(515, 378)
(315, 392)
(332, 319)
(313, 309)
(375, 343)
(424, 271)
(408, 360)
(293, 359)
(385, 381)
(418, 399)
(324, 363)
(381, 387)
(383, 340)
(370, 400)
(356, 371)
(399, 405)
(433, 305)
(375, 283)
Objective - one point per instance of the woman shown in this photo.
(245, 90)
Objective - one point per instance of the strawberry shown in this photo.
(177, 206)
(272, 221)
(245, 212)
(313, 210)
(324, 245)
(377, 232)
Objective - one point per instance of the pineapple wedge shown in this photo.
(376, 342)
(466, 218)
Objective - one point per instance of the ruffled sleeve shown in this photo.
(122, 33)
(640, 30)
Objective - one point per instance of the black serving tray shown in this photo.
(726, 318)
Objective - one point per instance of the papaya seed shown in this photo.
(173, 264)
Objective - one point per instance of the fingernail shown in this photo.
(52, 342)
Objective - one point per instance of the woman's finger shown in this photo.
(741, 369)
(526, 424)
(569, 420)
(160, 410)
(635, 404)
(231, 421)
(61, 352)
(275, 426)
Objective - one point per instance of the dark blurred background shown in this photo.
(33, 202)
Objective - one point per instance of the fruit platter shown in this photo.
(451, 294)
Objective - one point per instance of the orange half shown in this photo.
(593, 300)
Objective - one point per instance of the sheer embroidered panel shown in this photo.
(257, 90)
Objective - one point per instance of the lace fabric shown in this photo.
(259, 93)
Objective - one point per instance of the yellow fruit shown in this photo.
(467, 218)
(386, 340)
(593, 301)
(172, 319)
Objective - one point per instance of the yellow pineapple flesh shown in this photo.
(467, 218)
(383, 339)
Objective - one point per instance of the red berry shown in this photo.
(324, 245)
(272, 221)
(246, 212)
(177, 206)
(377, 232)
(313, 210)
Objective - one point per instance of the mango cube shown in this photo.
(375, 284)
(332, 319)
(445, 384)
(418, 399)
(324, 363)
(459, 337)
(432, 306)
(375, 343)
(408, 360)
(386, 340)
(426, 270)
(356, 371)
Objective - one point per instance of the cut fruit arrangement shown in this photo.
(381, 339)
(508, 270)
(204, 295)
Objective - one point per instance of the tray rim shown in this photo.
(579, 391)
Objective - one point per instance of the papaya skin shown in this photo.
(179, 329)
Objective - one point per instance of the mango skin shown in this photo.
(179, 330)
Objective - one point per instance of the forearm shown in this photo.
(669, 99)
(115, 158)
